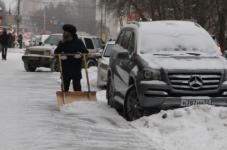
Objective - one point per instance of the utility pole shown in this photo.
(18, 17)
(101, 23)
(44, 19)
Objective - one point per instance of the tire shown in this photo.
(132, 109)
(55, 67)
(110, 92)
(98, 80)
(29, 68)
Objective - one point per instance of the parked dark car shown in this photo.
(165, 64)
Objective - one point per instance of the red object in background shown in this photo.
(1, 18)
(132, 16)
(222, 47)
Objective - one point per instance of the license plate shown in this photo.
(190, 101)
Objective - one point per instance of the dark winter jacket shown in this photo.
(72, 66)
(4, 39)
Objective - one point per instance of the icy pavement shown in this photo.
(29, 119)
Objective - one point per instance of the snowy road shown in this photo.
(30, 120)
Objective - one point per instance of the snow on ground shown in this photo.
(194, 128)
(30, 119)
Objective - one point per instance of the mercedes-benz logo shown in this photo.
(195, 82)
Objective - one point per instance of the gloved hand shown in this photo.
(77, 56)
(64, 57)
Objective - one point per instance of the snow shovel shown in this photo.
(64, 98)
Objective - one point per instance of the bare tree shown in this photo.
(211, 14)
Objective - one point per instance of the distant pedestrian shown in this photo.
(4, 40)
(20, 41)
(11, 40)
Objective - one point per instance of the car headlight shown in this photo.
(151, 74)
(47, 53)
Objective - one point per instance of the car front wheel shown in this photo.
(29, 68)
(110, 92)
(132, 108)
(99, 79)
(55, 66)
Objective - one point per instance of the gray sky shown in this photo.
(10, 2)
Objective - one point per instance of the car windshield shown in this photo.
(97, 43)
(53, 39)
(182, 43)
(89, 43)
(108, 50)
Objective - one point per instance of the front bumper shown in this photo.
(155, 94)
(37, 60)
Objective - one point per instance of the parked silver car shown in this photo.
(103, 64)
(42, 56)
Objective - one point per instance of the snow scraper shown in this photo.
(70, 97)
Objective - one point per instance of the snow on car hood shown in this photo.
(185, 62)
(44, 47)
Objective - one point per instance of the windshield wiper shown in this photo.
(163, 54)
(194, 54)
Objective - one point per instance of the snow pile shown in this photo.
(194, 128)
(99, 112)
(92, 73)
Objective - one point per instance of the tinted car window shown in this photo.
(120, 38)
(131, 45)
(125, 41)
(108, 50)
(89, 43)
(97, 43)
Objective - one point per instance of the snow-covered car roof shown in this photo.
(110, 42)
(87, 36)
(165, 36)
(171, 27)
(57, 34)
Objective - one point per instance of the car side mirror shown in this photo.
(101, 51)
(225, 54)
(123, 55)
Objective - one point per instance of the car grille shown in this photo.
(195, 82)
(37, 52)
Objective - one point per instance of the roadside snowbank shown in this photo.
(194, 128)
(101, 114)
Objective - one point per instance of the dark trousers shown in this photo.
(4, 53)
(76, 83)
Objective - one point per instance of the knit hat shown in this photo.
(70, 28)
